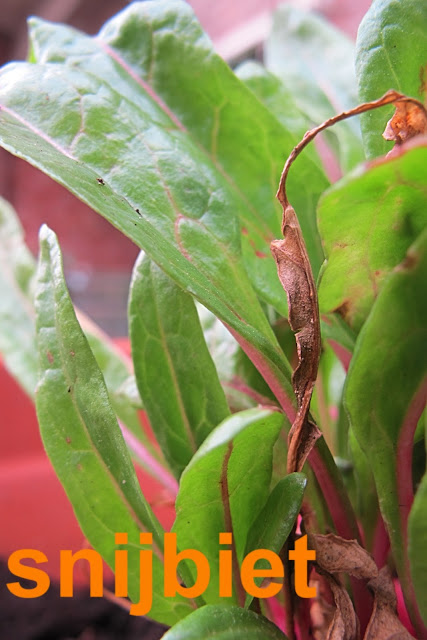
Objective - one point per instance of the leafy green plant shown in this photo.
(147, 125)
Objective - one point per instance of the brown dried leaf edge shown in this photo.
(295, 274)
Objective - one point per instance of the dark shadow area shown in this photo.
(81, 617)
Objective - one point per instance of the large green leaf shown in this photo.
(214, 622)
(303, 50)
(367, 222)
(151, 53)
(82, 437)
(121, 122)
(18, 348)
(227, 479)
(384, 394)
(391, 53)
(175, 374)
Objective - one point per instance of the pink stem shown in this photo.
(154, 467)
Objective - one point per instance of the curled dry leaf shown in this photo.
(384, 623)
(295, 273)
(322, 610)
(344, 625)
(409, 120)
(337, 555)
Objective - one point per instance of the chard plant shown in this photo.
(277, 415)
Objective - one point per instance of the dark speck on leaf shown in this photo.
(69, 389)
(138, 212)
(101, 181)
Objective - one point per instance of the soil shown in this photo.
(53, 618)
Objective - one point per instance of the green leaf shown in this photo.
(276, 519)
(221, 344)
(17, 333)
(224, 623)
(417, 532)
(119, 120)
(365, 495)
(302, 51)
(391, 53)
(367, 222)
(382, 394)
(279, 99)
(175, 374)
(227, 479)
(161, 47)
(82, 437)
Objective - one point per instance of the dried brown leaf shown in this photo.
(344, 625)
(295, 274)
(409, 120)
(322, 614)
(384, 623)
(337, 555)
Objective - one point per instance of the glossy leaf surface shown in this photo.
(391, 53)
(96, 114)
(225, 486)
(82, 437)
(175, 374)
(224, 623)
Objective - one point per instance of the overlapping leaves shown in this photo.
(83, 439)
(391, 53)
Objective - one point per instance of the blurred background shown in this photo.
(98, 259)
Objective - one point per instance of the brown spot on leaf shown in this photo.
(72, 353)
(260, 254)
(422, 90)
(344, 309)
(101, 181)
(409, 262)
(79, 467)
(50, 357)
(68, 440)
